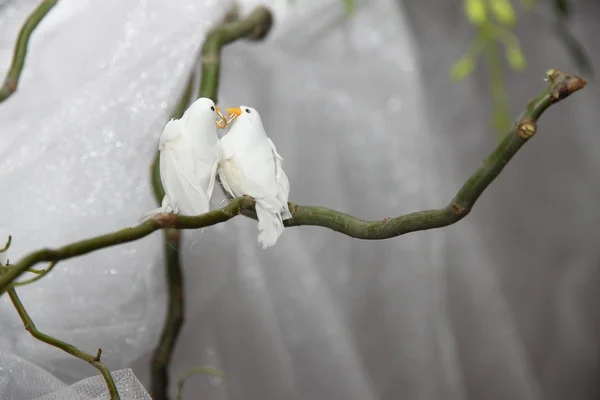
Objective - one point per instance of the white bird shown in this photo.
(189, 157)
(250, 165)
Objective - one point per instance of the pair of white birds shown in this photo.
(246, 160)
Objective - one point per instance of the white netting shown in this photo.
(22, 380)
(94, 388)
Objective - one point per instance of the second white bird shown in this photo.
(250, 165)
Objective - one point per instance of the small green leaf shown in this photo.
(349, 7)
(476, 12)
(462, 68)
(515, 57)
(503, 12)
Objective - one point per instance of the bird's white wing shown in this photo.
(224, 183)
(280, 175)
(171, 131)
(225, 153)
(235, 181)
(213, 177)
(180, 184)
(283, 183)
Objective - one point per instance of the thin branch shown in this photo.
(7, 245)
(255, 26)
(94, 361)
(11, 81)
(561, 86)
(35, 278)
(196, 371)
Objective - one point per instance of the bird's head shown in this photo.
(244, 115)
(202, 114)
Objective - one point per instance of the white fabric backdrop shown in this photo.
(319, 315)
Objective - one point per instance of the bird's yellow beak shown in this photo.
(235, 111)
(222, 122)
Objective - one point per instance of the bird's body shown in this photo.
(189, 150)
(250, 165)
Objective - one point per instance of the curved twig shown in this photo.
(94, 361)
(560, 87)
(11, 81)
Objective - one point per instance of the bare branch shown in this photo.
(7, 245)
(11, 81)
(206, 370)
(40, 274)
(561, 86)
(254, 27)
(94, 361)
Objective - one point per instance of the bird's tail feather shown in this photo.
(270, 222)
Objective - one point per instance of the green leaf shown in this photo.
(476, 12)
(503, 12)
(194, 371)
(462, 68)
(349, 7)
(515, 57)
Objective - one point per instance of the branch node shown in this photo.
(293, 207)
(166, 220)
(459, 210)
(552, 75)
(563, 85)
(527, 129)
(212, 58)
(261, 29)
(98, 355)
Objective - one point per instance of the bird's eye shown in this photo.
(248, 110)
(212, 108)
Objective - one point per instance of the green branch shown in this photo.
(11, 81)
(94, 361)
(561, 86)
(255, 27)
(7, 245)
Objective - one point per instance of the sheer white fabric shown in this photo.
(318, 316)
